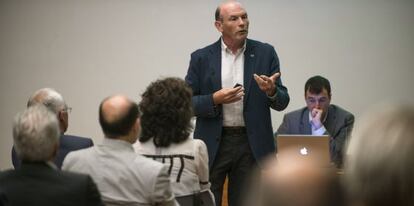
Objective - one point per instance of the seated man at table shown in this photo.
(319, 117)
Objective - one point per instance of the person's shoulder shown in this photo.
(256, 43)
(74, 178)
(211, 47)
(72, 175)
(79, 154)
(296, 112)
(340, 111)
(198, 143)
(76, 141)
(147, 147)
(148, 168)
(146, 164)
(75, 138)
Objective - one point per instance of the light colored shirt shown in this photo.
(122, 176)
(315, 131)
(188, 163)
(232, 72)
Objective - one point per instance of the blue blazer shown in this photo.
(204, 77)
(67, 143)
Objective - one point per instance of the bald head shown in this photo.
(227, 5)
(49, 98)
(117, 116)
(54, 101)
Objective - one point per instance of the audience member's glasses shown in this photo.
(68, 109)
(314, 101)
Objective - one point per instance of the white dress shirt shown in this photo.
(232, 72)
(122, 176)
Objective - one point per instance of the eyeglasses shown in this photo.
(314, 100)
(67, 109)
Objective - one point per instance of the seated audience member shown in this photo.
(379, 169)
(166, 125)
(291, 181)
(38, 181)
(319, 117)
(55, 103)
(122, 176)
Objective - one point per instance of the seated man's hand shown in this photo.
(316, 115)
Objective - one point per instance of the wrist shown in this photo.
(271, 92)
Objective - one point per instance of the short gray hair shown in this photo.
(380, 166)
(48, 97)
(35, 133)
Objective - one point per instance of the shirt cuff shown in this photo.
(319, 131)
(272, 98)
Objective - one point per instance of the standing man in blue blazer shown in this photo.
(235, 82)
(67, 143)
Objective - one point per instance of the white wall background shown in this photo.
(89, 49)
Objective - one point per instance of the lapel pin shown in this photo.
(251, 55)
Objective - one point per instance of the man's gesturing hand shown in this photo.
(267, 84)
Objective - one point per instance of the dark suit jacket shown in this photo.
(39, 184)
(67, 143)
(204, 77)
(338, 124)
(3, 198)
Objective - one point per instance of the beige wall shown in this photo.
(89, 49)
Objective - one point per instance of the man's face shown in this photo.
(234, 24)
(318, 101)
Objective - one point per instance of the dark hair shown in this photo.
(166, 112)
(217, 14)
(120, 126)
(316, 84)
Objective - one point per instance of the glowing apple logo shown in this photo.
(304, 151)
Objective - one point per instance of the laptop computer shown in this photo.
(304, 148)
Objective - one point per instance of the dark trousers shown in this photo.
(234, 160)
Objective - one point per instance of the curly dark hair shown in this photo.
(166, 112)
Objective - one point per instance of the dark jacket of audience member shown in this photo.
(38, 181)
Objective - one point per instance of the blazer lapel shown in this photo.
(215, 65)
(249, 62)
(304, 127)
(330, 121)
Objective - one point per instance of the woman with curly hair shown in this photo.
(166, 126)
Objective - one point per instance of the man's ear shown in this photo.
(219, 25)
(61, 116)
(138, 125)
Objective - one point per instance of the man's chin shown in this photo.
(242, 37)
